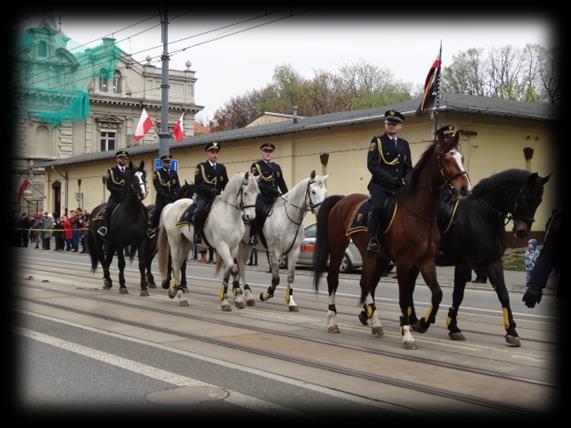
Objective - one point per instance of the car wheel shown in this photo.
(346, 266)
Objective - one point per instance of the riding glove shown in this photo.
(532, 295)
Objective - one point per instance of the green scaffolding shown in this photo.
(54, 81)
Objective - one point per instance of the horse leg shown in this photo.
(179, 252)
(152, 252)
(292, 259)
(121, 263)
(183, 285)
(370, 308)
(413, 275)
(166, 281)
(229, 269)
(428, 270)
(462, 274)
(107, 281)
(243, 255)
(275, 268)
(496, 275)
(405, 295)
(143, 255)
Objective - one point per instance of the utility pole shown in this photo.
(164, 135)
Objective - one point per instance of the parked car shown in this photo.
(351, 262)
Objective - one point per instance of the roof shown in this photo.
(449, 102)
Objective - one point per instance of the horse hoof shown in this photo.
(123, 291)
(226, 308)
(363, 318)
(457, 336)
(240, 305)
(250, 302)
(144, 293)
(106, 287)
(419, 327)
(165, 284)
(183, 302)
(172, 293)
(377, 331)
(409, 345)
(333, 329)
(513, 341)
(294, 308)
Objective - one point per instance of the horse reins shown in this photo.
(510, 214)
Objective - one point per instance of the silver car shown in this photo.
(351, 262)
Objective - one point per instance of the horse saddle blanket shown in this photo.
(447, 212)
(360, 217)
(187, 217)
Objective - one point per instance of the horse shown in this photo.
(223, 230)
(475, 238)
(150, 245)
(283, 233)
(128, 229)
(411, 239)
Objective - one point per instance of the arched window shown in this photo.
(42, 48)
(117, 82)
(103, 80)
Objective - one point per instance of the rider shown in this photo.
(271, 183)
(210, 179)
(389, 161)
(115, 184)
(167, 185)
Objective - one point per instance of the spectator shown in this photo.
(549, 259)
(36, 229)
(210, 256)
(529, 258)
(58, 234)
(83, 229)
(46, 226)
(253, 258)
(68, 233)
(22, 230)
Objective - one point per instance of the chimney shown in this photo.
(295, 118)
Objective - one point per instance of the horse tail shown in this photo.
(163, 250)
(322, 250)
(92, 249)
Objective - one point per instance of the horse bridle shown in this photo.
(135, 187)
(448, 180)
(241, 205)
(307, 196)
(511, 215)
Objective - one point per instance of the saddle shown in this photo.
(188, 216)
(360, 218)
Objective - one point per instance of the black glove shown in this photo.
(532, 295)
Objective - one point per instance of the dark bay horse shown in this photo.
(127, 231)
(412, 238)
(475, 238)
(150, 245)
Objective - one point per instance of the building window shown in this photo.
(42, 49)
(103, 80)
(108, 139)
(117, 82)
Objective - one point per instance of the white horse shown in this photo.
(223, 229)
(283, 231)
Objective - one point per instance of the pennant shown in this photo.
(178, 131)
(25, 184)
(431, 86)
(145, 123)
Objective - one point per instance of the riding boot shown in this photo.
(373, 226)
(198, 222)
(253, 235)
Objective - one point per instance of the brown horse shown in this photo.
(411, 239)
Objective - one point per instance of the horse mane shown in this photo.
(234, 184)
(501, 184)
(413, 181)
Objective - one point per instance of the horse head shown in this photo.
(527, 201)
(316, 191)
(186, 191)
(137, 180)
(247, 196)
(451, 161)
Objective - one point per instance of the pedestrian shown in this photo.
(529, 258)
(59, 234)
(389, 162)
(271, 183)
(253, 257)
(67, 232)
(549, 258)
(46, 226)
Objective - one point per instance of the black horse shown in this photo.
(150, 245)
(128, 227)
(475, 238)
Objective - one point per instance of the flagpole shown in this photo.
(164, 135)
(437, 99)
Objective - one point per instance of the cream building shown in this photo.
(504, 129)
(116, 98)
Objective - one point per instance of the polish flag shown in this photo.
(178, 131)
(145, 123)
(25, 184)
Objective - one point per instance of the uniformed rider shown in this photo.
(115, 182)
(167, 185)
(271, 183)
(210, 179)
(389, 161)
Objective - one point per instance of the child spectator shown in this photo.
(530, 256)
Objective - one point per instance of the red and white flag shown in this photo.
(178, 131)
(25, 184)
(145, 123)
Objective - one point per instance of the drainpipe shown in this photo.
(66, 186)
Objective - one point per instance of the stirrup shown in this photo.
(253, 240)
(151, 233)
(373, 246)
(102, 230)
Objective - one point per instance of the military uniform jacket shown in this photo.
(388, 164)
(116, 183)
(271, 179)
(210, 181)
(166, 184)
